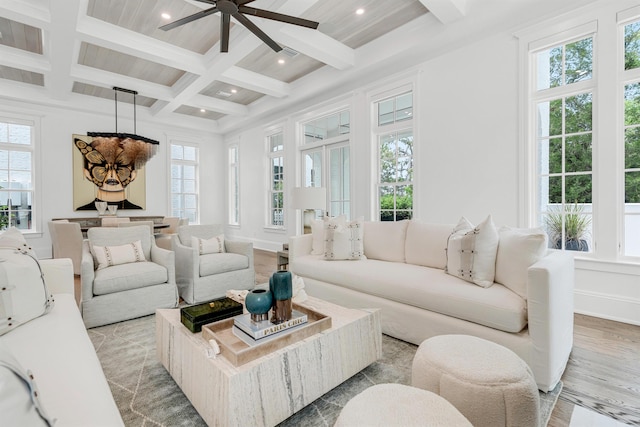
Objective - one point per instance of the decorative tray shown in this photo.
(238, 352)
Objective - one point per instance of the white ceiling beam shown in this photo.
(255, 81)
(218, 105)
(104, 34)
(23, 60)
(60, 48)
(102, 78)
(446, 10)
(26, 13)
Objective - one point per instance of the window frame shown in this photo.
(182, 162)
(33, 148)
(234, 185)
(270, 156)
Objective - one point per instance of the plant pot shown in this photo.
(573, 245)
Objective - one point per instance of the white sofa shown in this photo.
(57, 349)
(403, 274)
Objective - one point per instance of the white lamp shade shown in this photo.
(309, 198)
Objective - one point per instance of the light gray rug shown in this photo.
(146, 394)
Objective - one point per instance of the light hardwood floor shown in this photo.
(603, 373)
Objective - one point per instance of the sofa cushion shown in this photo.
(57, 349)
(214, 245)
(108, 256)
(19, 398)
(519, 249)
(124, 277)
(344, 241)
(385, 240)
(471, 252)
(426, 244)
(221, 263)
(423, 287)
(318, 234)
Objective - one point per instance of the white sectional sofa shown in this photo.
(404, 275)
(56, 348)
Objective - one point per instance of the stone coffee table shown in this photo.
(268, 390)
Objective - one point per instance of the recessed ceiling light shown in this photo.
(234, 90)
(280, 61)
(359, 11)
(202, 110)
(165, 15)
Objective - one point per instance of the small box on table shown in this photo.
(195, 316)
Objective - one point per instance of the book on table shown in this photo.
(260, 330)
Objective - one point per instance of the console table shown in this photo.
(96, 221)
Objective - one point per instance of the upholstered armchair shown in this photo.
(207, 265)
(123, 279)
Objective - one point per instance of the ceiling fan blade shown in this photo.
(225, 20)
(189, 18)
(213, 2)
(257, 31)
(241, 2)
(278, 17)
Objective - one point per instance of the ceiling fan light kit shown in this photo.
(238, 10)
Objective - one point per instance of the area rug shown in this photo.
(146, 395)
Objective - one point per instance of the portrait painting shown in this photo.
(109, 169)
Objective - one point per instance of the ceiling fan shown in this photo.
(237, 9)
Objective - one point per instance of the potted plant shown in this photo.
(576, 228)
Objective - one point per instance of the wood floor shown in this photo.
(603, 373)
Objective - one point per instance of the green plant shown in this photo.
(576, 227)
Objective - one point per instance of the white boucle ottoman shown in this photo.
(488, 383)
(388, 405)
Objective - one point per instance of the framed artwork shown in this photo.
(109, 169)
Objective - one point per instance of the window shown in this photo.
(394, 138)
(234, 187)
(326, 159)
(17, 173)
(275, 145)
(184, 182)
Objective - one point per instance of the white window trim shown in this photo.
(269, 132)
(230, 195)
(170, 162)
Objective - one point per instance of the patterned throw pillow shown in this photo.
(344, 241)
(214, 245)
(471, 252)
(107, 256)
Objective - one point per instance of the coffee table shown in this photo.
(268, 390)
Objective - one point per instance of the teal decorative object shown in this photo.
(258, 303)
(282, 291)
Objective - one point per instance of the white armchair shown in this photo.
(125, 290)
(209, 276)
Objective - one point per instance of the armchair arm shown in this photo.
(242, 248)
(185, 256)
(58, 275)
(165, 258)
(550, 286)
(87, 272)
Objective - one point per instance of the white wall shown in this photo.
(55, 172)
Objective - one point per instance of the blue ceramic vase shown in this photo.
(258, 303)
(282, 291)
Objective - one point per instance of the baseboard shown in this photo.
(607, 306)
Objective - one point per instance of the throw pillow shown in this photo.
(108, 256)
(471, 252)
(19, 398)
(23, 293)
(344, 241)
(214, 245)
(519, 249)
(318, 235)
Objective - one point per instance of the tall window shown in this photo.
(564, 136)
(394, 137)
(16, 173)
(234, 187)
(326, 159)
(275, 145)
(184, 182)
(632, 139)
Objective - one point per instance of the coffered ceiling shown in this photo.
(71, 53)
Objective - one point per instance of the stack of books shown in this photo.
(254, 333)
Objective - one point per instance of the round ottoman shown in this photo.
(488, 383)
(387, 405)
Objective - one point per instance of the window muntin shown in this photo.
(327, 127)
(275, 143)
(234, 186)
(565, 64)
(184, 182)
(395, 157)
(632, 46)
(16, 174)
